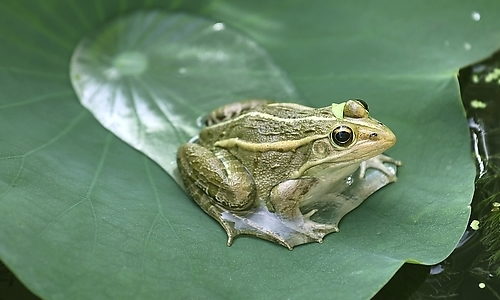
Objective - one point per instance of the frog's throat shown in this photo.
(282, 146)
(306, 166)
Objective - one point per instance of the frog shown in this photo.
(265, 169)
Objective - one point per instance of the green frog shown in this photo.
(266, 169)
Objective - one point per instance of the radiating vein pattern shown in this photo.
(148, 76)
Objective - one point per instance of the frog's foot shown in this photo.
(261, 223)
(305, 225)
(377, 162)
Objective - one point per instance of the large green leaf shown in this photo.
(83, 215)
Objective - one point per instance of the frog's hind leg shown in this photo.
(234, 222)
(217, 174)
(217, 182)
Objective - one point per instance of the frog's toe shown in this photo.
(315, 226)
(217, 213)
(309, 214)
(308, 223)
(310, 228)
(377, 162)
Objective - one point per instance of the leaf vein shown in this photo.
(32, 72)
(23, 157)
(51, 96)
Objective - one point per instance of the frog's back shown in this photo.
(272, 123)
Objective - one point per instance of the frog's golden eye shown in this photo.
(341, 136)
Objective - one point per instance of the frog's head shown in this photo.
(353, 136)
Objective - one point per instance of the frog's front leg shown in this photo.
(286, 197)
(217, 181)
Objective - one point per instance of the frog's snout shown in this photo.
(385, 138)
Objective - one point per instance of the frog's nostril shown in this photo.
(373, 135)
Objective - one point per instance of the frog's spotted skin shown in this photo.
(282, 171)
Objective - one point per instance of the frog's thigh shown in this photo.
(285, 197)
(218, 174)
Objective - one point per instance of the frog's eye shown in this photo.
(365, 105)
(341, 136)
